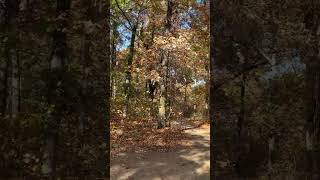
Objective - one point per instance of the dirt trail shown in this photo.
(186, 163)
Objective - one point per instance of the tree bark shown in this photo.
(271, 140)
(11, 15)
(4, 98)
(163, 97)
(14, 84)
(213, 122)
(86, 59)
(128, 71)
(313, 110)
(164, 70)
(55, 85)
(113, 61)
(84, 92)
(241, 119)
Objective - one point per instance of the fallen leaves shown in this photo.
(142, 136)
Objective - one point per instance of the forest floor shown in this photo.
(184, 153)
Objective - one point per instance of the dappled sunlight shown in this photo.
(160, 82)
(190, 161)
(122, 175)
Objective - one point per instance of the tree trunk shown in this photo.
(11, 15)
(213, 123)
(84, 92)
(167, 85)
(163, 98)
(55, 99)
(128, 71)
(164, 70)
(270, 154)
(14, 84)
(240, 122)
(86, 59)
(185, 90)
(313, 110)
(5, 88)
(113, 62)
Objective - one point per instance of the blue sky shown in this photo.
(125, 36)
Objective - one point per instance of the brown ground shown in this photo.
(189, 161)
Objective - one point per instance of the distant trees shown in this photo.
(54, 74)
(260, 51)
(164, 55)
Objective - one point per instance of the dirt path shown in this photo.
(186, 163)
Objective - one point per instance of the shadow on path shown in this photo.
(191, 161)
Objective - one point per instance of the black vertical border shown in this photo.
(211, 90)
(106, 130)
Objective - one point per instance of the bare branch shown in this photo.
(124, 14)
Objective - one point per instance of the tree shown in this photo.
(133, 23)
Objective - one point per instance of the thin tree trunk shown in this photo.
(168, 100)
(14, 84)
(163, 99)
(164, 68)
(19, 83)
(128, 72)
(84, 93)
(113, 62)
(240, 122)
(270, 153)
(5, 89)
(185, 90)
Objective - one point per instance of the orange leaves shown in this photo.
(141, 135)
(153, 75)
(172, 43)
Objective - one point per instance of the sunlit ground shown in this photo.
(190, 161)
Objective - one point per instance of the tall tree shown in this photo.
(132, 22)
(11, 21)
(56, 83)
(164, 59)
(213, 123)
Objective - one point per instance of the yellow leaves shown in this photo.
(181, 43)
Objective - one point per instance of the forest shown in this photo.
(264, 89)
(159, 83)
(54, 90)
(160, 89)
